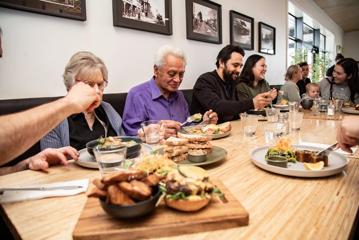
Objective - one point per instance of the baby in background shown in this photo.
(312, 91)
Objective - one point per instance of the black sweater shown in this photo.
(209, 92)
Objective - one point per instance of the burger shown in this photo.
(187, 194)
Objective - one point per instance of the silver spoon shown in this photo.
(102, 123)
(193, 118)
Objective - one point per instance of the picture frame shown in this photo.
(241, 30)
(266, 38)
(150, 16)
(72, 9)
(204, 21)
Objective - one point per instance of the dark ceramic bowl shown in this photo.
(136, 210)
(132, 152)
(306, 103)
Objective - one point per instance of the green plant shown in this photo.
(319, 66)
(300, 55)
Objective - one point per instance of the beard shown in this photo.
(230, 75)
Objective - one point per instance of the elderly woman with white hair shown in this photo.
(159, 98)
(81, 128)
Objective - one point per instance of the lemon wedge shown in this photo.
(314, 166)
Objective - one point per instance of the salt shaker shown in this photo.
(331, 109)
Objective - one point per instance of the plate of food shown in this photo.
(192, 149)
(215, 131)
(86, 159)
(281, 106)
(298, 160)
(351, 110)
(86, 155)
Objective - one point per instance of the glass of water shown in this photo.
(250, 123)
(295, 120)
(272, 114)
(110, 158)
(152, 131)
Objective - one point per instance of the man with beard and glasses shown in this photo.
(216, 90)
(159, 98)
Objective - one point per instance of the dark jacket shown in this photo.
(301, 85)
(210, 92)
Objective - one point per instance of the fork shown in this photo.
(102, 123)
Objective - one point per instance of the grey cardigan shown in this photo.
(60, 136)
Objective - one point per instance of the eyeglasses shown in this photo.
(100, 86)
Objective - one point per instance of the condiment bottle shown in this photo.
(331, 109)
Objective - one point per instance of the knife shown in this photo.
(50, 188)
(328, 149)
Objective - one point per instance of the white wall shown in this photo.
(350, 45)
(37, 47)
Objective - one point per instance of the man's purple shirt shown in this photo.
(146, 102)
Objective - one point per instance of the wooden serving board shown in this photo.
(94, 223)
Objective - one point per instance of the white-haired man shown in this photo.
(159, 98)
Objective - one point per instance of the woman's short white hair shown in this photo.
(290, 71)
(164, 51)
(82, 62)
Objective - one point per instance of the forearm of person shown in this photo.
(20, 131)
(23, 165)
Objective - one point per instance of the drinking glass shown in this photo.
(295, 120)
(338, 103)
(272, 131)
(272, 114)
(152, 131)
(250, 123)
(293, 106)
(110, 158)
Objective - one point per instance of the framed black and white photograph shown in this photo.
(204, 21)
(241, 30)
(266, 39)
(146, 15)
(74, 9)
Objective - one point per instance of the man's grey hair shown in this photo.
(82, 62)
(164, 51)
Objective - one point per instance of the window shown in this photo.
(291, 26)
(308, 35)
(322, 43)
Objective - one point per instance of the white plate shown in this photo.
(350, 110)
(86, 160)
(336, 163)
(280, 106)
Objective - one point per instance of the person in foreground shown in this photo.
(159, 98)
(19, 131)
(101, 121)
(290, 91)
(251, 81)
(348, 133)
(217, 89)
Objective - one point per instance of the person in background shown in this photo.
(217, 89)
(251, 81)
(312, 91)
(19, 131)
(305, 79)
(159, 98)
(330, 70)
(344, 84)
(103, 120)
(348, 133)
(290, 91)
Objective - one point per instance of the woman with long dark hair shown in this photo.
(251, 80)
(344, 84)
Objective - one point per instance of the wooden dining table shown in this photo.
(279, 207)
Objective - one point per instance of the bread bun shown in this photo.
(225, 127)
(194, 137)
(188, 205)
